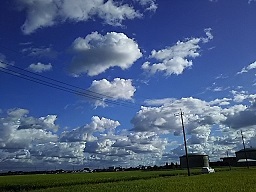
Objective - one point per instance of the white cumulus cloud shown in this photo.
(175, 59)
(85, 133)
(96, 53)
(158, 102)
(40, 67)
(162, 119)
(47, 52)
(18, 130)
(112, 90)
(149, 4)
(211, 127)
(45, 13)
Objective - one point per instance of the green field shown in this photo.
(234, 180)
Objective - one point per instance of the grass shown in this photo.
(32, 182)
(234, 180)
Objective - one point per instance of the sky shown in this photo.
(99, 83)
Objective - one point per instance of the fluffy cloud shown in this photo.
(240, 96)
(211, 127)
(19, 130)
(47, 52)
(146, 142)
(30, 141)
(96, 53)
(248, 68)
(223, 101)
(27, 142)
(40, 67)
(158, 102)
(242, 117)
(149, 4)
(17, 113)
(112, 90)
(25, 122)
(208, 34)
(105, 147)
(126, 148)
(162, 119)
(175, 59)
(86, 132)
(45, 13)
(199, 115)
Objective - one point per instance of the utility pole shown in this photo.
(228, 161)
(245, 154)
(184, 137)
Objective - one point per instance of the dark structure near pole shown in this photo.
(195, 160)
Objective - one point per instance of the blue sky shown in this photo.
(130, 66)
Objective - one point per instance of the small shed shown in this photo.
(246, 157)
(194, 160)
(249, 153)
(231, 161)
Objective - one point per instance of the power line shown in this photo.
(62, 88)
(48, 78)
(51, 79)
(53, 83)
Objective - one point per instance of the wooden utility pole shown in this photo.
(245, 154)
(184, 137)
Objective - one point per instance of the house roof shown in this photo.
(194, 155)
(247, 150)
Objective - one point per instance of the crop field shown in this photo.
(134, 181)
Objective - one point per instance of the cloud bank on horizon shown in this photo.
(31, 140)
(130, 66)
